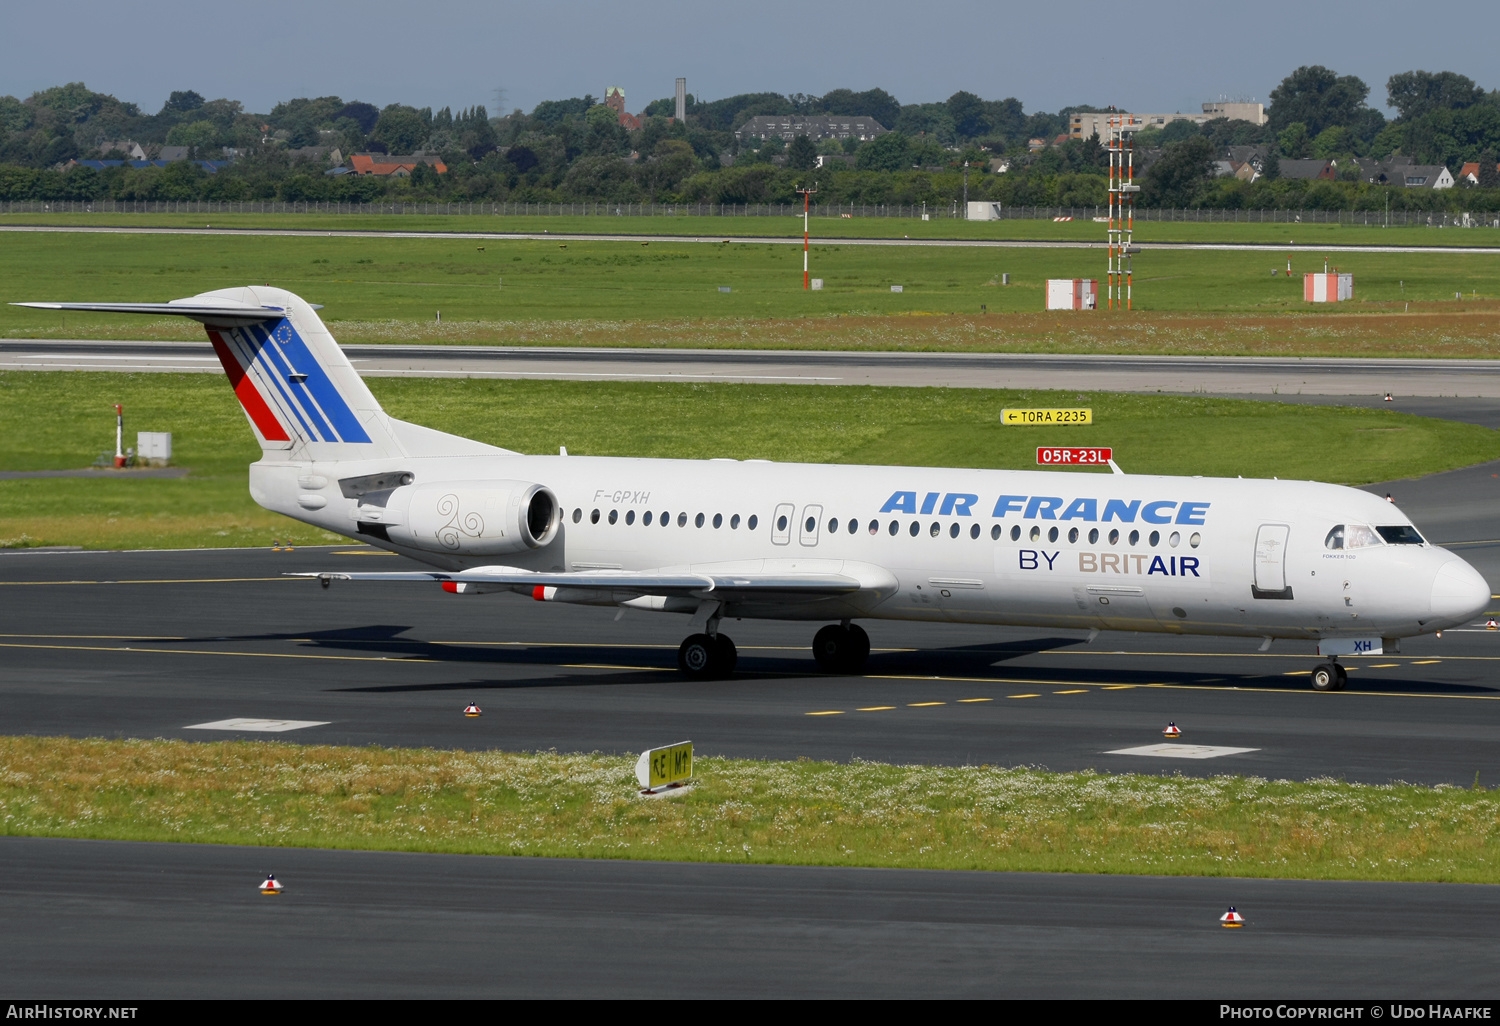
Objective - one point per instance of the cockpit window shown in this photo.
(1353, 536)
(1403, 534)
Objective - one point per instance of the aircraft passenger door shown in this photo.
(1270, 563)
(781, 523)
(808, 528)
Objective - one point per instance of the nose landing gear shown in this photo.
(841, 648)
(1329, 676)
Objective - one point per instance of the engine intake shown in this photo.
(480, 518)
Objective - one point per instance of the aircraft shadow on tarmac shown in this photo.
(638, 665)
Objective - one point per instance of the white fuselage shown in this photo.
(1034, 548)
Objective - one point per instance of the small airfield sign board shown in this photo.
(1073, 456)
(665, 767)
(1046, 418)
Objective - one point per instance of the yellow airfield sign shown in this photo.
(658, 767)
(1045, 418)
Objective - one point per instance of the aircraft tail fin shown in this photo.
(302, 397)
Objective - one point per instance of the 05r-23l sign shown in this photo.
(1073, 456)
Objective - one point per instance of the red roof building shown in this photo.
(393, 165)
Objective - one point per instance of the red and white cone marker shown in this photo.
(1232, 919)
(1491, 624)
(271, 885)
(1388, 398)
(1172, 730)
(471, 710)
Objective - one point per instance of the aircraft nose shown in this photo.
(1458, 592)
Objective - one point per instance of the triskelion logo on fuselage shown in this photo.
(1052, 507)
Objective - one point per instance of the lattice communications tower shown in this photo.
(1121, 129)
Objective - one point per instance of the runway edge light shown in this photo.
(271, 885)
(1232, 918)
(663, 769)
(1172, 730)
(472, 709)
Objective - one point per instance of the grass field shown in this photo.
(667, 294)
(63, 420)
(806, 813)
(1209, 229)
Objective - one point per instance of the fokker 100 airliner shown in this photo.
(739, 539)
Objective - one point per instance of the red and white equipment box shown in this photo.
(1072, 293)
(1327, 288)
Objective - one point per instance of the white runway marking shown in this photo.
(1167, 751)
(249, 723)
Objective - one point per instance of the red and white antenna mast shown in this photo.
(1121, 129)
(806, 195)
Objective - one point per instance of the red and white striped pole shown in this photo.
(806, 200)
(119, 436)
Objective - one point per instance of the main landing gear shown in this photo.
(707, 657)
(841, 648)
(1329, 676)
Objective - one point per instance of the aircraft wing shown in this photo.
(725, 586)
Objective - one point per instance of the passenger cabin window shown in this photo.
(577, 515)
(750, 524)
(594, 517)
(1402, 534)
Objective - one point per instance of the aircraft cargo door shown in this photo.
(1270, 563)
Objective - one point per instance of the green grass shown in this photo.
(367, 283)
(858, 227)
(801, 813)
(63, 420)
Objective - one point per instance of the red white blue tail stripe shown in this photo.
(285, 392)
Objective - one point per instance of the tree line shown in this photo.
(575, 149)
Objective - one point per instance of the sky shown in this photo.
(1166, 55)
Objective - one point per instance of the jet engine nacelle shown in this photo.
(480, 518)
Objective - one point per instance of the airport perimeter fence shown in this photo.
(998, 212)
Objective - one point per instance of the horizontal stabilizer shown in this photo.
(225, 312)
(726, 586)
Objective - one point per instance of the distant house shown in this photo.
(1401, 171)
(1470, 172)
(835, 160)
(1428, 176)
(317, 154)
(1036, 144)
(132, 150)
(999, 165)
(1324, 169)
(821, 126)
(1225, 169)
(1255, 156)
(394, 165)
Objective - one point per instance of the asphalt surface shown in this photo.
(749, 239)
(151, 643)
(1365, 379)
(121, 920)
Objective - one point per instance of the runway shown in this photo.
(120, 921)
(767, 240)
(758, 240)
(1237, 375)
(149, 644)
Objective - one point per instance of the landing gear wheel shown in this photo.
(840, 649)
(695, 656)
(1327, 677)
(1343, 676)
(704, 658)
